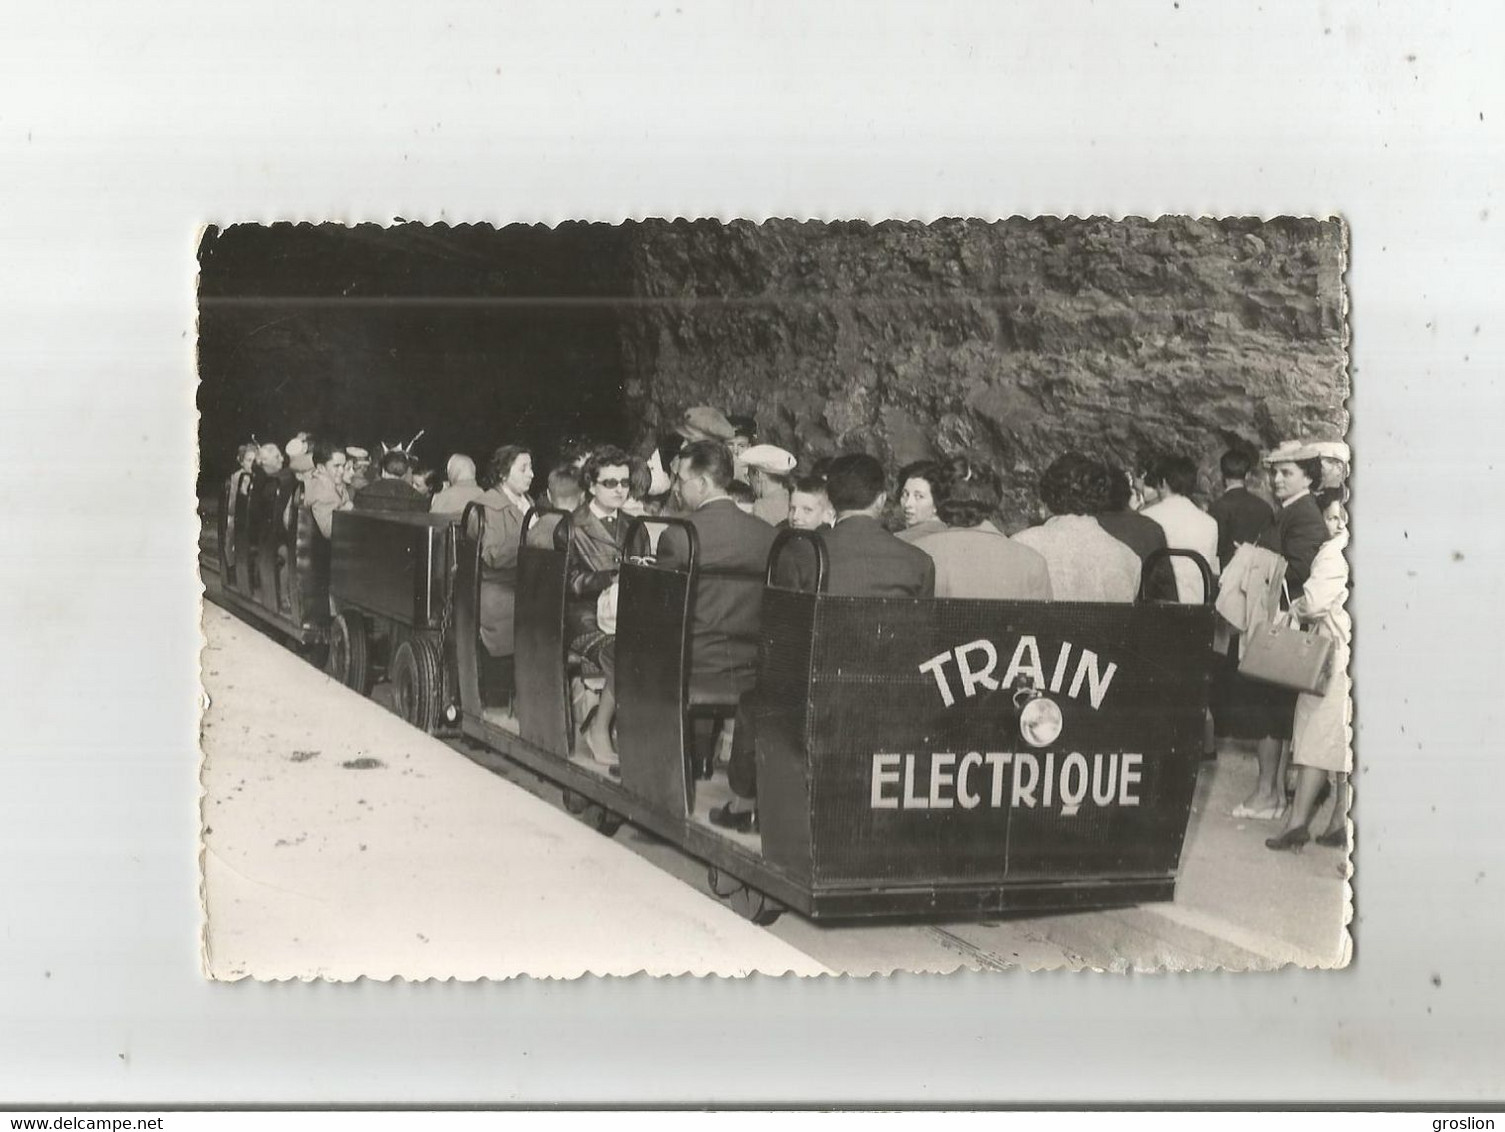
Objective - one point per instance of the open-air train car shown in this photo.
(915, 757)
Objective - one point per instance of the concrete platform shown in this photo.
(340, 842)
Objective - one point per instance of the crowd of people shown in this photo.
(1274, 539)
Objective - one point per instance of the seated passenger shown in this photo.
(392, 492)
(423, 479)
(360, 468)
(461, 487)
(240, 478)
(597, 529)
(729, 597)
(237, 490)
(973, 558)
(505, 483)
(809, 506)
(768, 468)
(1139, 533)
(917, 500)
(1086, 562)
(324, 494)
(863, 559)
(564, 491)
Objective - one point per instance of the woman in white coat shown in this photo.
(1320, 733)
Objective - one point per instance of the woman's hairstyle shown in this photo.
(606, 456)
(1312, 468)
(1075, 485)
(967, 491)
(1330, 495)
(925, 470)
(500, 464)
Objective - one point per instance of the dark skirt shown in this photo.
(498, 607)
(1248, 709)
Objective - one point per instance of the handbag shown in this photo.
(1284, 654)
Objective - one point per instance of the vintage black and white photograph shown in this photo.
(799, 596)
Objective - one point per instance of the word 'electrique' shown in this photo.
(976, 661)
(941, 780)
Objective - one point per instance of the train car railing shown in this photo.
(274, 561)
(543, 687)
(652, 670)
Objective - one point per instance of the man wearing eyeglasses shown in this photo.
(324, 493)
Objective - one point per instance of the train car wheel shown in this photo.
(747, 902)
(597, 816)
(350, 652)
(415, 682)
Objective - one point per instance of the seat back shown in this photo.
(310, 554)
(652, 672)
(467, 606)
(543, 689)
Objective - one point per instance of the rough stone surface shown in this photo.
(1017, 339)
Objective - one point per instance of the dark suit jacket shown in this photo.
(391, 495)
(728, 600)
(864, 561)
(1242, 517)
(1296, 534)
(1144, 536)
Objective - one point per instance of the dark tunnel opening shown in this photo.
(478, 336)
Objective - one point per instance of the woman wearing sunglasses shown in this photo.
(597, 529)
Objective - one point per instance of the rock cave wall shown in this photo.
(1017, 339)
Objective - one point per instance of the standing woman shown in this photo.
(507, 477)
(917, 500)
(1296, 534)
(1319, 741)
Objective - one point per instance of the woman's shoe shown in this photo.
(1333, 838)
(1290, 839)
(740, 821)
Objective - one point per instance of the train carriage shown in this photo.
(915, 756)
(272, 562)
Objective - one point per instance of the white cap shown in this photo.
(1288, 450)
(769, 458)
(355, 452)
(1331, 450)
